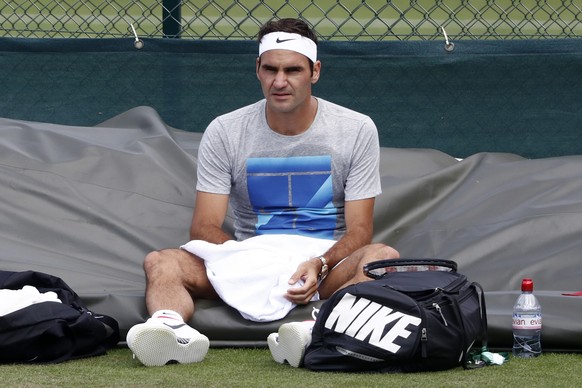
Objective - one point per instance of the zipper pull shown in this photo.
(438, 308)
(423, 342)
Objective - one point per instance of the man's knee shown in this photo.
(165, 260)
(387, 252)
(151, 260)
(380, 251)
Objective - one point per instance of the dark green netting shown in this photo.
(521, 97)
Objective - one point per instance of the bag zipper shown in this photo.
(438, 309)
(423, 343)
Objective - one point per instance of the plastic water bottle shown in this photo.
(527, 323)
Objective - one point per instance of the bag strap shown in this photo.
(483, 357)
(467, 360)
(377, 269)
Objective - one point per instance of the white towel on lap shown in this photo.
(252, 275)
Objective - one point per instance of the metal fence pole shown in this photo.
(172, 18)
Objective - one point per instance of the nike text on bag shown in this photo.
(52, 332)
(416, 315)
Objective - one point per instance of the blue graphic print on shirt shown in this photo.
(292, 195)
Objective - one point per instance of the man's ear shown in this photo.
(258, 63)
(316, 72)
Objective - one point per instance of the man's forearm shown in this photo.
(211, 234)
(345, 246)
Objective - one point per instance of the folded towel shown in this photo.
(252, 275)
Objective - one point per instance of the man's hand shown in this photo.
(308, 271)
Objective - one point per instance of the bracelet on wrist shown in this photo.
(324, 268)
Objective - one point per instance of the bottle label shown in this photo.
(523, 321)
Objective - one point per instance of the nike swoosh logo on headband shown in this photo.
(283, 40)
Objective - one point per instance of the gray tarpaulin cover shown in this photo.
(87, 203)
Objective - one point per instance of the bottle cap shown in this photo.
(527, 285)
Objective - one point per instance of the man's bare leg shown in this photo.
(173, 278)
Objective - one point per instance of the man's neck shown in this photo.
(293, 123)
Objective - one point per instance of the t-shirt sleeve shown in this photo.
(213, 169)
(364, 176)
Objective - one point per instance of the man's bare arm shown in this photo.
(359, 230)
(209, 214)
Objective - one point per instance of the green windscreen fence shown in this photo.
(517, 96)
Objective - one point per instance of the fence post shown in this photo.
(172, 18)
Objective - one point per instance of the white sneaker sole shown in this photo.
(155, 345)
(289, 343)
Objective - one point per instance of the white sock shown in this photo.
(167, 314)
(181, 328)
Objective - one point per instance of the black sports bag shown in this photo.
(417, 315)
(52, 332)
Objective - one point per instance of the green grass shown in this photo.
(239, 367)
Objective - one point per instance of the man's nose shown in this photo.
(280, 80)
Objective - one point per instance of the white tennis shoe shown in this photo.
(289, 343)
(164, 338)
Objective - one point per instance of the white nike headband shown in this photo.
(288, 41)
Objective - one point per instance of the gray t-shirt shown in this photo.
(290, 184)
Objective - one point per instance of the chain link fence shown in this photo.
(352, 20)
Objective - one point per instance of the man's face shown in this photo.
(286, 79)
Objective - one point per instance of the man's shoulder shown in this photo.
(234, 125)
(341, 111)
(248, 110)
